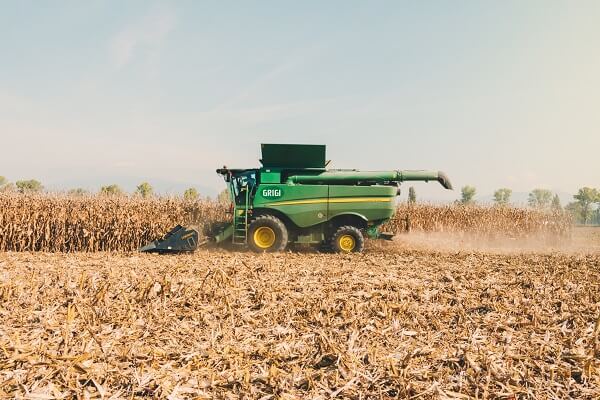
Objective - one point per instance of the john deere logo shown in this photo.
(272, 193)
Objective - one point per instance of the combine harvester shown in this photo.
(294, 199)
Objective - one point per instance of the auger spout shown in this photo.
(426, 176)
(353, 177)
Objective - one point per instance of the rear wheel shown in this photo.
(267, 234)
(347, 239)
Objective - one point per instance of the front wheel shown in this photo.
(347, 239)
(267, 234)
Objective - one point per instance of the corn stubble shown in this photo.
(385, 324)
(60, 223)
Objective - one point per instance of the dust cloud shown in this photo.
(579, 240)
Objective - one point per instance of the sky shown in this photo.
(496, 94)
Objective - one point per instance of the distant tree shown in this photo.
(78, 192)
(467, 194)
(597, 221)
(586, 197)
(412, 195)
(5, 185)
(144, 189)
(556, 206)
(110, 190)
(223, 197)
(539, 198)
(502, 196)
(29, 186)
(574, 209)
(191, 194)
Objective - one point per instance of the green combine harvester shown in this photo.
(294, 199)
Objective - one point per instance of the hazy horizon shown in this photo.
(494, 94)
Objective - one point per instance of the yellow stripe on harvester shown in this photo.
(333, 200)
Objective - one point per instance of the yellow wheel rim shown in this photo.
(347, 243)
(264, 237)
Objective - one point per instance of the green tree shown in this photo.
(5, 185)
(597, 222)
(502, 196)
(29, 186)
(467, 194)
(111, 190)
(540, 198)
(556, 206)
(586, 197)
(144, 189)
(191, 194)
(412, 195)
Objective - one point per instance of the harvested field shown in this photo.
(59, 223)
(588, 235)
(579, 240)
(390, 323)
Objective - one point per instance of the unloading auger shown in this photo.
(293, 199)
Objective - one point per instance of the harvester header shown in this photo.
(293, 199)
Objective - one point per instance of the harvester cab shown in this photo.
(294, 199)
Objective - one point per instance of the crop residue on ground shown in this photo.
(390, 323)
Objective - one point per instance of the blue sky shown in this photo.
(497, 94)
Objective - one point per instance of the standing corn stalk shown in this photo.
(62, 223)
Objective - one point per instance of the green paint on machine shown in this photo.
(293, 198)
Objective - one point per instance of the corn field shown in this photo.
(61, 223)
(391, 323)
(488, 221)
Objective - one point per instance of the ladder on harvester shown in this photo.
(240, 221)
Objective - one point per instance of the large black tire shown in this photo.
(260, 231)
(347, 239)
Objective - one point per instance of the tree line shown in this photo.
(144, 189)
(585, 209)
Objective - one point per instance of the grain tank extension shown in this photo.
(294, 199)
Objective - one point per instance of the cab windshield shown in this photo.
(242, 183)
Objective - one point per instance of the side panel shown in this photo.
(273, 177)
(305, 205)
(373, 202)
